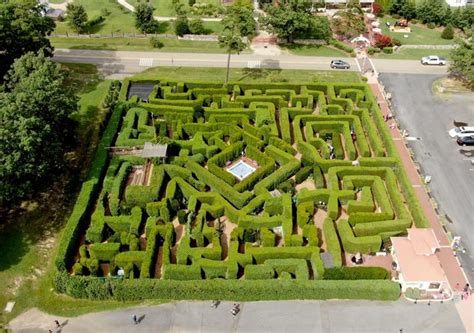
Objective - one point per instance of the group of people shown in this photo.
(58, 326)
(235, 309)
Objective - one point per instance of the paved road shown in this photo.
(427, 116)
(131, 62)
(290, 316)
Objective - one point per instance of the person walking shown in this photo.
(135, 321)
(58, 325)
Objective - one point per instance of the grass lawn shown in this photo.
(119, 19)
(415, 54)
(165, 7)
(419, 35)
(313, 50)
(28, 241)
(136, 44)
(249, 75)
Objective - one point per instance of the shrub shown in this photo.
(388, 50)
(414, 21)
(181, 26)
(340, 45)
(377, 9)
(156, 43)
(448, 32)
(372, 50)
(431, 25)
(382, 41)
(396, 42)
(196, 27)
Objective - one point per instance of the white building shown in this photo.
(459, 3)
(417, 264)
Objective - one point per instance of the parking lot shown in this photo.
(451, 167)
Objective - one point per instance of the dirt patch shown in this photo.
(307, 184)
(446, 86)
(318, 219)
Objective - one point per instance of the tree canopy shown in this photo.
(293, 20)
(242, 18)
(462, 62)
(35, 106)
(232, 41)
(144, 20)
(77, 17)
(23, 29)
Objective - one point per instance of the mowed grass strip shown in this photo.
(313, 50)
(136, 44)
(249, 75)
(414, 54)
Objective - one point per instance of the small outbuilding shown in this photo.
(416, 262)
(151, 150)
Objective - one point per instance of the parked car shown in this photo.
(433, 60)
(466, 141)
(461, 131)
(340, 64)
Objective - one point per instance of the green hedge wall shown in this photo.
(232, 290)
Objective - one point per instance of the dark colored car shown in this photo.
(340, 64)
(466, 141)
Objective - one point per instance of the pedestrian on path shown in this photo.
(58, 325)
(135, 321)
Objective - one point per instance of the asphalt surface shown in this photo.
(131, 62)
(451, 167)
(289, 316)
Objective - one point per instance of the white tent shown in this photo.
(360, 39)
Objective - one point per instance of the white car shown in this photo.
(433, 60)
(459, 132)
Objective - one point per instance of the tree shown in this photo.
(242, 17)
(448, 32)
(287, 22)
(233, 42)
(35, 105)
(77, 17)
(349, 22)
(144, 20)
(408, 10)
(23, 29)
(181, 25)
(431, 11)
(462, 62)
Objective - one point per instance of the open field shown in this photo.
(419, 35)
(119, 19)
(165, 7)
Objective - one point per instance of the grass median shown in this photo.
(249, 75)
(136, 44)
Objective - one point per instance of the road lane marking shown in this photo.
(145, 62)
(254, 64)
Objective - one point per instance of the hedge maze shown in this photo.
(316, 176)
